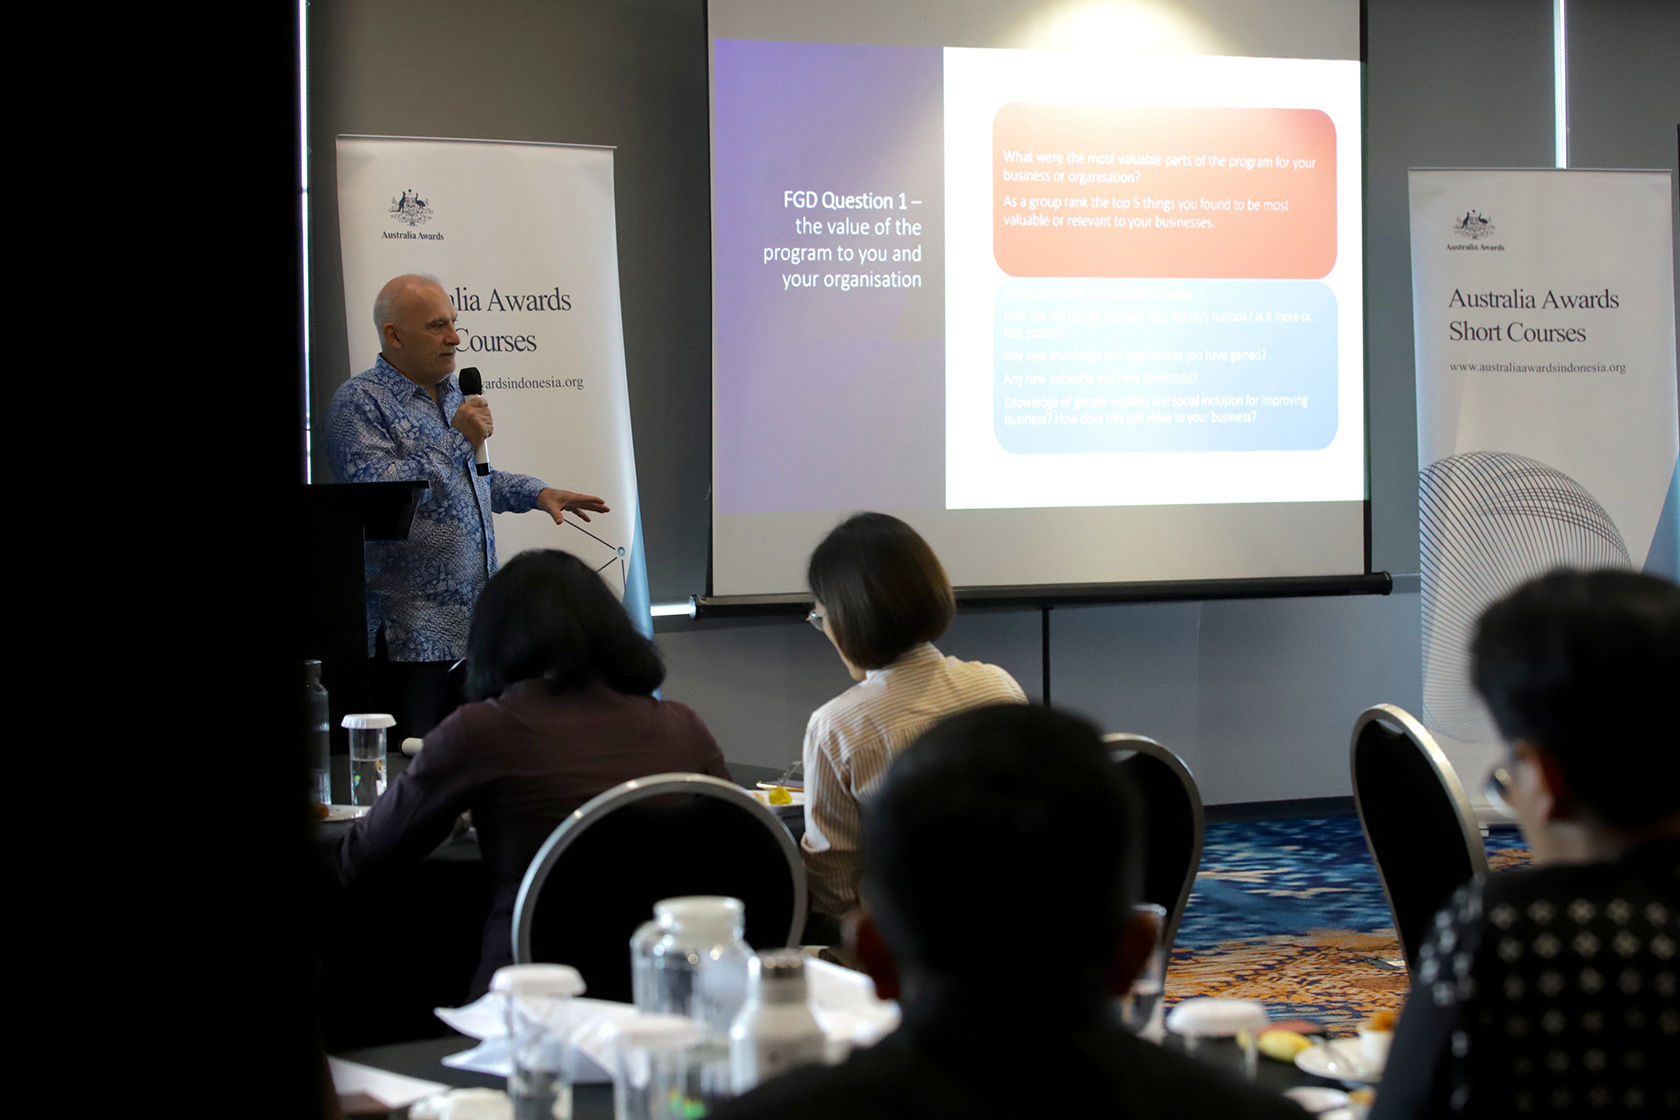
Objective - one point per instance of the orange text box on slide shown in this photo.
(1110, 190)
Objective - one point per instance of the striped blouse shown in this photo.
(851, 739)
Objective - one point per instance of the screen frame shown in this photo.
(1047, 595)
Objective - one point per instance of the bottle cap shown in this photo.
(464, 1104)
(538, 980)
(657, 1032)
(704, 914)
(777, 966)
(363, 721)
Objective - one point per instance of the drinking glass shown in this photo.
(1140, 1008)
(367, 755)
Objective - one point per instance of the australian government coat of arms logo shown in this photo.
(410, 209)
(1473, 225)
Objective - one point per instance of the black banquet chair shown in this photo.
(600, 872)
(1418, 824)
(1173, 824)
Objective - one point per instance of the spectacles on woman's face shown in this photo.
(815, 618)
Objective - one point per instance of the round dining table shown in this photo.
(422, 1059)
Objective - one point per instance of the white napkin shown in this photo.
(847, 1007)
(849, 1010)
(489, 1057)
(393, 1090)
(486, 1019)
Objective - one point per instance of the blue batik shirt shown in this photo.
(382, 427)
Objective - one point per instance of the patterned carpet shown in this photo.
(1291, 912)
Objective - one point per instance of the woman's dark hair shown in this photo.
(883, 588)
(546, 615)
(1582, 664)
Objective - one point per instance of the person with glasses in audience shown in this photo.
(1551, 990)
(562, 684)
(882, 598)
(1002, 859)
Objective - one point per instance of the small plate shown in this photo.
(345, 812)
(794, 787)
(1318, 1098)
(763, 798)
(1339, 1060)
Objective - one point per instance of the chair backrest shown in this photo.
(1173, 823)
(1418, 824)
(597, 877)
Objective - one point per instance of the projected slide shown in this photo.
(964, 279)
(1147, 293)
(829, 277)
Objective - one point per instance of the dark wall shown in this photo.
(1624, 83)
(630, 73)
(1624, 88)
(1449, 83)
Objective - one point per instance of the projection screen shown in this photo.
(1074, 289)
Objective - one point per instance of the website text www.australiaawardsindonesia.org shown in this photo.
(1542, 367)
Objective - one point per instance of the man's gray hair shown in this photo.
(385, 304)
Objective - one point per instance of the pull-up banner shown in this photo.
(1543, 312)
(524, 239)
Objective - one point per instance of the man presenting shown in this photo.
(406, 420)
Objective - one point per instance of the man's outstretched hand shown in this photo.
(556, 502)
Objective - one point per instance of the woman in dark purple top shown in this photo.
(563, 711)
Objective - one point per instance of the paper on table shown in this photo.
(392, 1090)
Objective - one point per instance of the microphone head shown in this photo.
(471, 383)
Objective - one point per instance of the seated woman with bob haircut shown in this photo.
(561, 710)
(882, 597)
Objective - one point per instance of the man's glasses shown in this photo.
(815, 619)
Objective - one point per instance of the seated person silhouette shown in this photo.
(1001, 862)
(563, 710)
(1551, 990)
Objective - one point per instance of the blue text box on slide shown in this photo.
(1152, 365)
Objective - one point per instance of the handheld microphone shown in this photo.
(473, 386)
